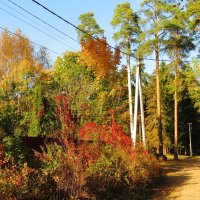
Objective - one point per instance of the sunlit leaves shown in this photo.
(97, 55)
(88, 26)
(194, 12)
(17, 64)
(126, 22)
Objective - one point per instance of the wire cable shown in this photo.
(27, 17)
(4, 29)
(44, 22)
(36, 28)
(75, 26)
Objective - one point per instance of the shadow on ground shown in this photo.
(175, 175)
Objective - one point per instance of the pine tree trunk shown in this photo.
(158, 101)
(175, 112)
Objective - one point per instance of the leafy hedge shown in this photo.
(89, 170)
(103, 166)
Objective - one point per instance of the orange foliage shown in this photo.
(97, 54)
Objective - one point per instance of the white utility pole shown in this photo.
(136, 103)
(130, 95)
(142, 112)
(138, 94)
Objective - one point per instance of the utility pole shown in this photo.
(130, 97)
(190, 137)
(136, 103)
(142, 112)
(138, 94)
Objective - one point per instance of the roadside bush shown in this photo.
(89, 170)
(66, 167)
(93, 162)
(120, 171)
(19, 181)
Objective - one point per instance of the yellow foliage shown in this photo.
(17, 62)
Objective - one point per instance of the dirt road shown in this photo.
(181, 180)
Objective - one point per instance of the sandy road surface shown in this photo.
(181, 180)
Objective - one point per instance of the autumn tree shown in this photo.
(18, 71)
(98, 57)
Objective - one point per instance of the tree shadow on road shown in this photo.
(174, 175)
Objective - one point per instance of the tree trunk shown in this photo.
(158, 101)
(175, 111)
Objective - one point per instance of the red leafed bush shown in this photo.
(100, 165)
(69, 122)
(111, 135)
(117, 136)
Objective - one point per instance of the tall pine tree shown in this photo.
(88, 26)
(155, 18)
(179, 44)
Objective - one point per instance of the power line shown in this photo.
(44, 22)
(26, 17)
(36, 28)
(30, 41)
(85, 32)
